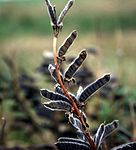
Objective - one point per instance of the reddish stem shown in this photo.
(78, 113)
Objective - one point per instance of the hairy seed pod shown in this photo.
(75, 122)
(80, 90)
(127, 146)
(51, 12)
(85, 119)
(109, 128)
(58, 105)
(63, 139)
(73, 67)
(55, 13)
(93, 87)
(81, 135)
(52, 71)
(53, 96)
(75, 141)
(59, 90)
(64, 11)
(99, 135)
(72, 144)
(67, 43)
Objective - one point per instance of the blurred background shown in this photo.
(107, 29)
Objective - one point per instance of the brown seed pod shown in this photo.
(51, 12)
(58, 105)
(65, 143)
(74, 66)
(64, 11)
(99, 135)
(52, 71)
(110, 127)
(52, 96)
(93, 87)
(67, 43)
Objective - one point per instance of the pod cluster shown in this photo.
(57, 22)
(72, 143)
(58, 101)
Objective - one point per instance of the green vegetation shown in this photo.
(17, 18)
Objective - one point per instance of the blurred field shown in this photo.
(25, 33)
(19, 18)
(110, 25)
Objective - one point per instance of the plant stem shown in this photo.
(78, 113)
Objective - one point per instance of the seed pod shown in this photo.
(127, 146)
(53, 96)
(93, 87)
(67, 43)
(109, 128)
(73, 140)
(85, 119)
(51, 12)
(58, 90)
(81, 135)
(74, 66)
(99, 135)
(71, 143)
(52, 71)
(80, 90)
(75, 122)
(64, 11)
(58, 105)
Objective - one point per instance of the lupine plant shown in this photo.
(63, 100)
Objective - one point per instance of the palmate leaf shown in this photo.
(92, 88)
(58, 105)
(53, 96)
(71, 144)
(128, 146)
